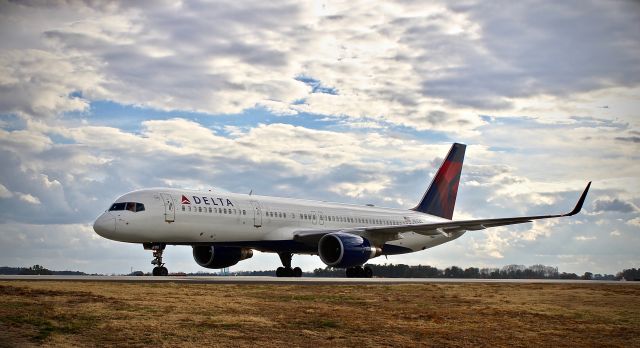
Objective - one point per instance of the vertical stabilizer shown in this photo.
(440, 198)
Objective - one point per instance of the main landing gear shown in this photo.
(158, 249)
(287, 271)
(359, 272)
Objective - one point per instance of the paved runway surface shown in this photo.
(296, 281)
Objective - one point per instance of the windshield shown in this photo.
(130, 206)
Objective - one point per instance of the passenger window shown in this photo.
(210, 209)
(224, 210)
(199, 209)
(189, 208)
(244, 212)
(183, 208)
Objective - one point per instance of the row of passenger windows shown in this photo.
(337, 218)
(130, 206)
(227, 211)
(285, 215)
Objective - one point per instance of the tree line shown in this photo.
(396, 271)
(506, 272)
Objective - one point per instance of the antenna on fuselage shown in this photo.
(250, 192)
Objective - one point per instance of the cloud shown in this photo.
(635, 139)
(584, 238)
(427, 67)
(28, 198)
(4, 192)
(37, 83)
(353, 102)
(615, 205)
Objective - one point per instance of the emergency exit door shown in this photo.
(257, 214)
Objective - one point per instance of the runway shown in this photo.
(296, 281)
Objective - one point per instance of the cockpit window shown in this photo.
(117, 206)
(130, 206)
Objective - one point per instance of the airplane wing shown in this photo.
(381, 234)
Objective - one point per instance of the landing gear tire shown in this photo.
(158, 249)
(351, 272)
(297, 272)
(160, 271)
(367, 272)
(287, 271)
(359, 272)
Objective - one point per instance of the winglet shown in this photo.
(578, 207)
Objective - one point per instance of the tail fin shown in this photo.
(440, 198)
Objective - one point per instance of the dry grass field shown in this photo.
(459, 315)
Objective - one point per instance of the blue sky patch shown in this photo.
(316, 85)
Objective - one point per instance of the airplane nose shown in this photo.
(105, 225)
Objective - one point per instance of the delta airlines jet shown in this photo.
(224, 228)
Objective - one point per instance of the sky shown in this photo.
(353, 102)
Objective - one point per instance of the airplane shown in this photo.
(224, 228)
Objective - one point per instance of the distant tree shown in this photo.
(630, 274)
(472, 272)
(587, 276)
(11, 270)
(453, 272)
(35, 270)
(564, 275)
(512, 271)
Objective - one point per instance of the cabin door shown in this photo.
(257, 214)
(169, 208)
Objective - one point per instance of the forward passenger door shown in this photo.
(169, 207)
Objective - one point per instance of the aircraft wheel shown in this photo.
(280, 272)
(367, 272)
(351, 272)
(297, 272)
(164, 271)
(156, 271)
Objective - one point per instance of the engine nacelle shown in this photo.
(219, 257)
(344, 250)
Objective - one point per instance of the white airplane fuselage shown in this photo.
(258, 222)
(223, 228)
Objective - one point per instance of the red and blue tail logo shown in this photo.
(440, 198)
(185, 200)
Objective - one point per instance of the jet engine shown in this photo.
(219, 257)
(344, 250)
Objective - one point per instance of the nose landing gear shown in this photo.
(158, 249)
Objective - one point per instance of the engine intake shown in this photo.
(219, 257)
(344, 250)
